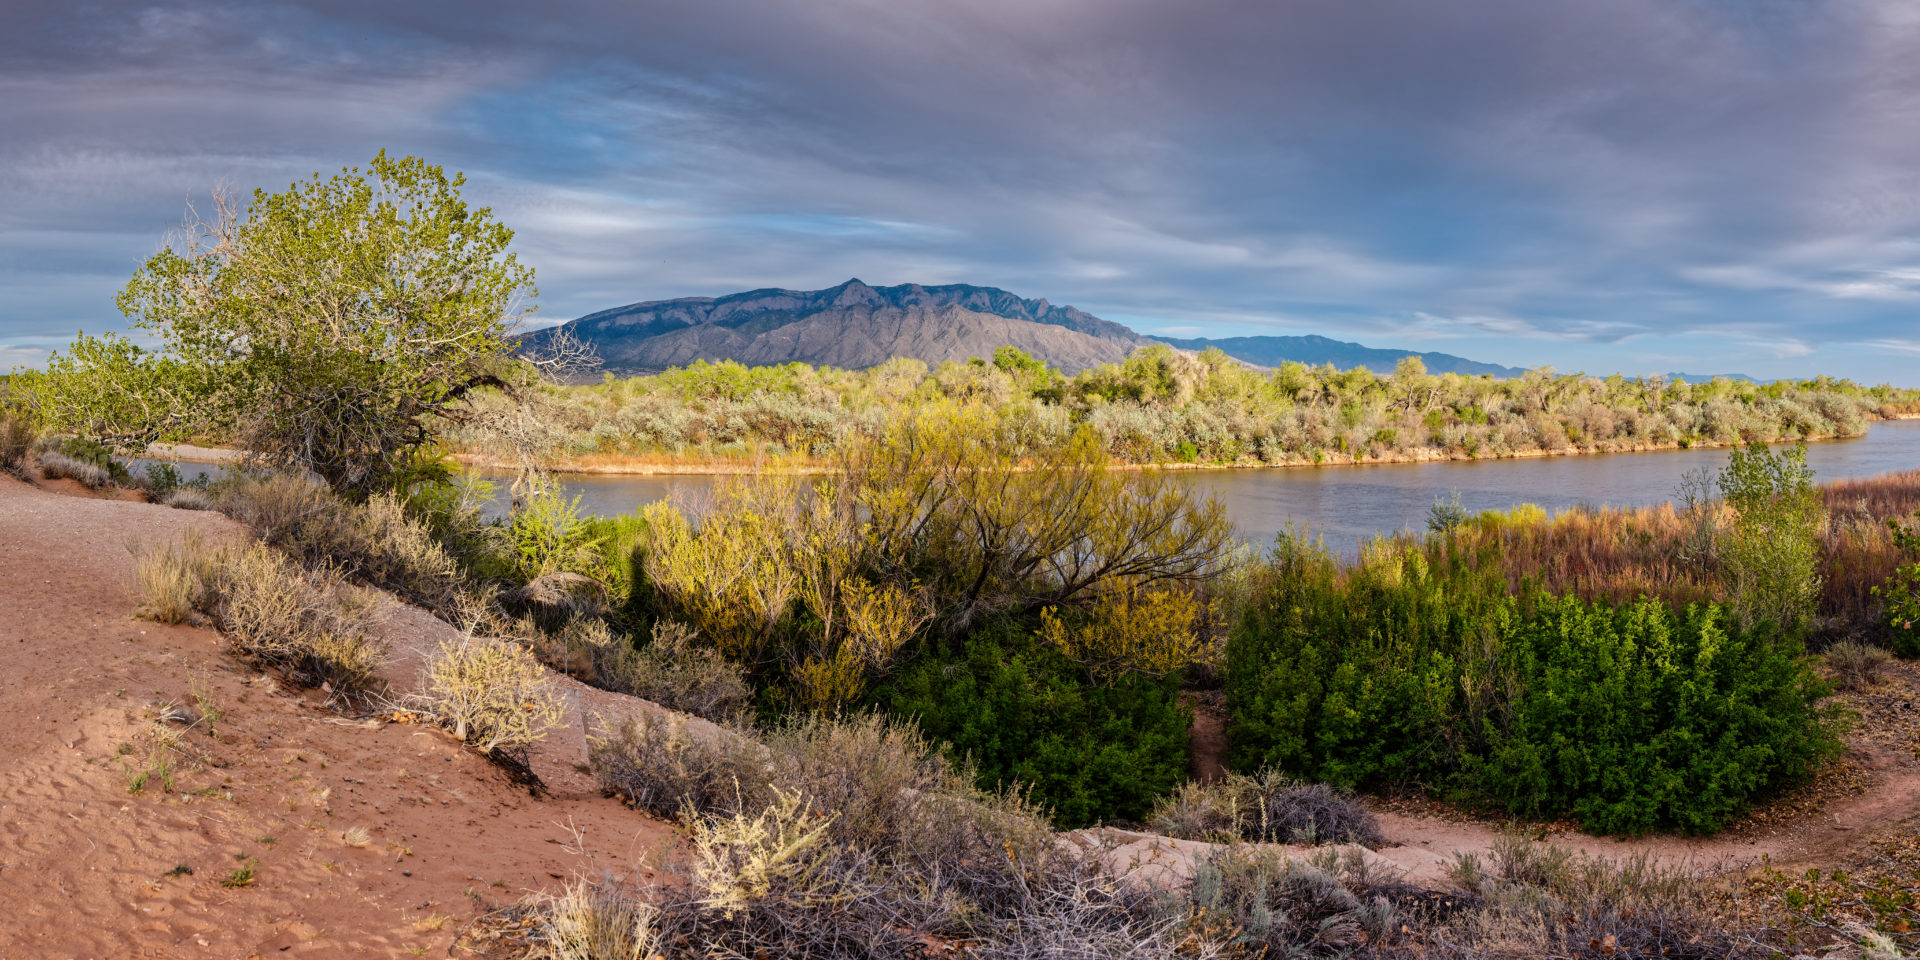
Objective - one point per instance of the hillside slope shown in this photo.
(276, 783)
(850, 325)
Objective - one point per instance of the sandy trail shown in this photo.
(86, 866)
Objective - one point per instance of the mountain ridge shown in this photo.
(854, 325)
(851, 324)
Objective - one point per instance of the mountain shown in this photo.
(852, 325)
(1313, 351)
(855, 325)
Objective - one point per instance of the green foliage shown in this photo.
(1422, 668)
(1901, 592)
(1446, 516)
(1161, 406)
(1632, 718)
(331, 327)
(948, 520)
(1771, 555)
(90, 451)
(1024, 714)
(548, 534)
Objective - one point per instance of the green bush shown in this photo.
(1633, 718)
(1404, 671)
(1901, 592)
(1025, 714)
(1354, 677)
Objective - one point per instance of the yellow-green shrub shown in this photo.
(493, 693)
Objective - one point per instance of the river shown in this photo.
(1349, 504)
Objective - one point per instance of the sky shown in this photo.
(1630, 186)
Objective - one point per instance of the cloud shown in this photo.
(1549, 179)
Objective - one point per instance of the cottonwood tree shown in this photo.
(336, 326)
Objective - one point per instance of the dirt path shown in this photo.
(89, 868)
(1425, 846)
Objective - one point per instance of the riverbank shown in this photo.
(681, 465)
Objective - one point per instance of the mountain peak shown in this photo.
(854, 293)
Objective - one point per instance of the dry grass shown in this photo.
(672, 670)
(1535, 900)
(172, 578)
(188, 498)
(493, 693)
(1267, 807)
(1856, 665)
(594, 921)
(373, 541)
(1621, 555)
(308, 624)
(55, 466)
(17, 435)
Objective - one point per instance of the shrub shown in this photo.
(1149, 632)
(17, 435)
(1268, 905)
(672, 670)
(1856, 665)
(1901, 591)
(1410, 668)
(1632, 718)
(492, 693)
(1268, 807)
(1025, 714)
(56, 466)
(188, 498)
(160, 479)
(662, 767)
(1772, 552)
(374, 541)
(173, 579)
(307, 623)
(1529, 899)
(905, 839)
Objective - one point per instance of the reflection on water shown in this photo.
(1349, 504)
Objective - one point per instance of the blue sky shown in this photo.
(1599, 185)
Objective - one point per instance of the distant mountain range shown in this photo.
(1313, 351)
(851, 325)
(854, 325)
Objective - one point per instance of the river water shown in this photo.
(1349, 504)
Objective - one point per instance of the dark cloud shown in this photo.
(1594, 183)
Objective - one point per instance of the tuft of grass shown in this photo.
(187, 498)
(356, 837)
(594, 921)
(55, 465)
(157, 770)
(1268, 807)
(241, 876)
(17, 435)
(172, 578)
(494, 694)
(201, 689)
(1856, 665)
